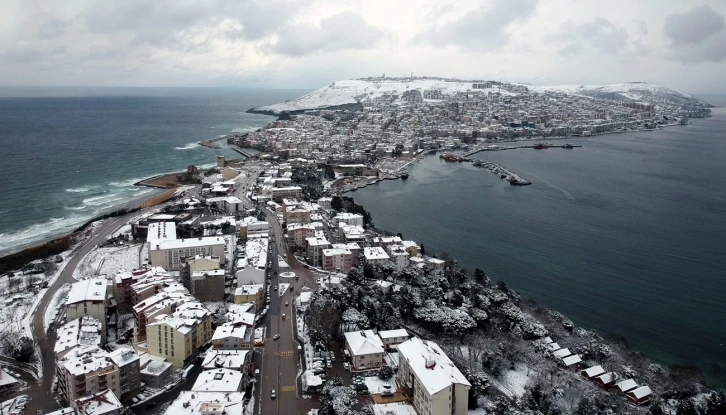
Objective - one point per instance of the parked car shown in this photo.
(273, 394)
(275, 337)
(346, 365)
(328, 364)
(386, 393)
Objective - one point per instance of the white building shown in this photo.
(231, 337)
(81, 332)
(251, 268)
(365, 349)
(351, 219)
(375, 255)
(208, 403)
(228, 204)
(219, 380)
(88, 298)
(337, 259)
(436, 385)
(392, 338)
(399, 256)
(315, 247)
(169, 253)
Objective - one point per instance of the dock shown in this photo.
(538, 146)
(243, 152)
(212, 142)
(494, 168)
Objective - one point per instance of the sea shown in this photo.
(70, 154)
(625, 235)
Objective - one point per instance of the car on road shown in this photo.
(275, 288)
(386, 393)
(283, 316)
(286, 303)
(346, 365)
(273, 394)
(275, 337)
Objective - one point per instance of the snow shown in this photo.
(398, 408)
(375, 384)
(283, 287)
(108, 261)
(59, 298)
(516, 380)
(634, 91)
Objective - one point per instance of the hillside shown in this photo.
(351, 92)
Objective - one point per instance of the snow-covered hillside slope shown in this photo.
(359, 90)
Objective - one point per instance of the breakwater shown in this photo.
(503, 173)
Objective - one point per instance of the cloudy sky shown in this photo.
(309, 43)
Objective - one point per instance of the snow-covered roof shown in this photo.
(123, 357)
(571, 360)
(373, 253)
(188, 243)
(640, 392)
(229, 359)
(228, 331)
(219, 380)
(363, 342)
(101, 403)
(431, 366)
(86, 360)
(92, 289)
(389, 334)
(198, 403)
(626, 385)
(593, 371)
(83, 331)
(200, 275)
(161, 231)
(562, 353)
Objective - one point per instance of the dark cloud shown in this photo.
(483, 29)
(600, 35)
(346, 30)
(695, 36)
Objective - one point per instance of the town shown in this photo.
(264, 289)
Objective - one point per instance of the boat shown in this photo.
(432, 151)
(567, 145)
(541, 146)
(404, 175)
(477, 163)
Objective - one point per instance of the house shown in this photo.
(626, 385)
(88, 298)
(315, 247)
(593, 372)
(572, 361)
(365, 349)
(81, 332)
(561, 353)
(436, 263)
(87, 370)
(640, 396)
(411, 247)
(606, 380)
(219, 380)
(431, 379)
(102, 403)
(337, 259)
(399, 256)
(351, 219)
(252, 293)
(392, 338)
(155, 371)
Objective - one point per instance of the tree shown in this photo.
(19, 348)
(14, 284)
(385, 372)
(336, 203)
(538, 400)
(423, 250)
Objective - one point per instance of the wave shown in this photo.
(76, 207)
(245, 129)
(126, 183)
(40, 231)
(104, 199)
(78, 190)
(189, 146)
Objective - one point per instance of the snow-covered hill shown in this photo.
(359, 90)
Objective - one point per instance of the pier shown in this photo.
(243, 152)
(538, 146)
(512, 178)
(212, 142)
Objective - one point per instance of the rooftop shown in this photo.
(430, 365)
(92, 289)
(161, 231)
(219, 380)
(363, 342)
(189, 243)
(198, 403)
(375, 252)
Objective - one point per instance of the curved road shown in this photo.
(41, 395)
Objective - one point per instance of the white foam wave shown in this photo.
(76, 207)
(245, 129)
(126, 183)
(189, 146)
(78, 190)
(104, 199)
(40, 231)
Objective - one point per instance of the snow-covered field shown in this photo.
(108, 261)
(397, 408)
(283, 287)
(516, 380)
(376, 385)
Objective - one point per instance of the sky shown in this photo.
(310, 43)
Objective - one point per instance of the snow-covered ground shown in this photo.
(376, 385)
(397, 408)
(516, 380)
(108, 261)
(59, 298)
(283, 287)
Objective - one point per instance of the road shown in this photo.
(280, 358)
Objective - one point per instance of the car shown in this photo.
(275, 337)
(286, 303)
(273, 394)
(275, 288)
(283, 316)
(386, 393)
(346, 365)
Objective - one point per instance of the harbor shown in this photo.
(537, 146)
(494, 168)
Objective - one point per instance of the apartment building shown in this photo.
(79, 333)
(399, 256)
(392, 338)
(157, 305)
(227, 204)
(251, 268)
(180, 336)
(252, 293)
(297, 233)
(315, 247)
(88, 298)
(375, 255)
(171, 252)
(232, 337)
(337, 259)
(129, 370)
(431, 379)
(351, 219)
(86, 371)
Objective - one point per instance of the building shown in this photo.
(169, 253)
(254, 293)
(411, 247)
(88, 298)
(315, 247)
(81, 332)
(155, 371)
(436, 263)
(129, 371)
(208, 403)
(151, 286)
(180, 336)
(399, 256)
(157, 305)
(431, 379)
(350, 219)
(375, 255)
(337, 259)
(251, 268)
(296, 214)
(297, 233)
(365, 349)
(86, 371)
(392, 338)
(204, 277)
(231, 337)
(123, 281)
(250, 226)
(227, 204)
(230, 359)
(219, 380)
(324, 202)
(279, 193)
(384, 241)
(102, 403)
